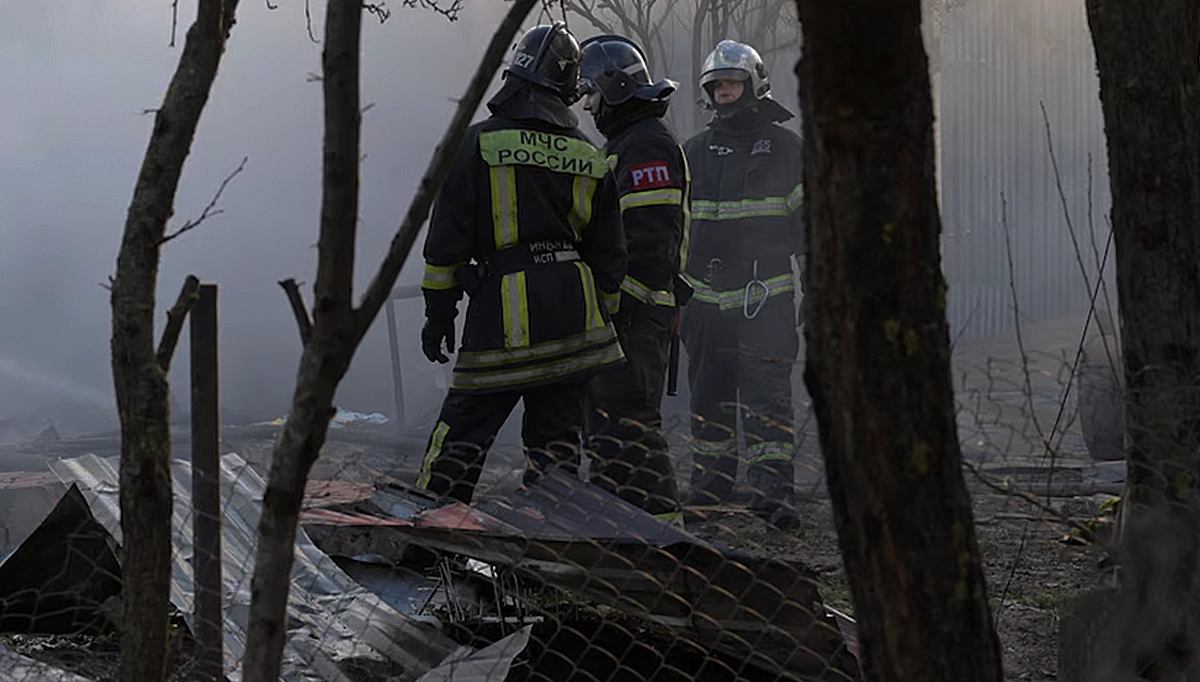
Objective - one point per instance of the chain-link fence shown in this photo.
(556, 579)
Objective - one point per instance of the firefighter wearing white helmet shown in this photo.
(740, 327)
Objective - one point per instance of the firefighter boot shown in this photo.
(635, 466)
(772, 493)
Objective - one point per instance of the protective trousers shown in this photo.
(468, 424)
(738, 362)
(624, 437)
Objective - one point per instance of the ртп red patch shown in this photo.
(650, 175)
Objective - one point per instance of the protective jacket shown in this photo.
(528, 225)
(652, 181)
(745, 223)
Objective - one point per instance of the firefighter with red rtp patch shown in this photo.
(623, 419)
(528, 225)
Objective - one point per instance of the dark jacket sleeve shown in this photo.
(799, 222)
(603, 241)
(450, 242)
(651, 182)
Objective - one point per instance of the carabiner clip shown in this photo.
(746, 297)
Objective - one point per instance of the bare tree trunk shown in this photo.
(325, 358)
(337, 327)
(138, 376)
(1150, 94)
(878, 365)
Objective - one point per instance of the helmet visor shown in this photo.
(724, 75)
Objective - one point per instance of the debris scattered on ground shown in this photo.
(578, 560)
(341, 419)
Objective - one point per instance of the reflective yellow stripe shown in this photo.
(647, 295)
(440, 277)
(796, 197)
(558, 153)
(735, 298)
(714, 448)
(703, 209)
(471, 360)
(608, 354)
(770, 451)
(652, 197)
(504, 205)
(436, 442)
(685, 244)
(612, 159)
(671, 518)
(516, 310)
(592, 316)
(582, 191)
(612, 302)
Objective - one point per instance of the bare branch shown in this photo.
(1012, 285)
(439, 167)
(380, 11)
(175, 317)
(308, 21)
(270, 6)
(1012, 568)
(326, 355)
(299, 308)
(208, 211)
(450, 12)
(174, 20)
(1062, 195)
(140, 385)
(1031, 499)
(588, 13)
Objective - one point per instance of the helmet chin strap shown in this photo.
(603, 116)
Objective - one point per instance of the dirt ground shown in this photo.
(1030, 571)
(1033, 562)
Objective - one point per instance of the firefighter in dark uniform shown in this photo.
(528, 225)
(624, 425)
(740, 327)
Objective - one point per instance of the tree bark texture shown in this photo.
(337, 326)
(327, 352)
(1147, 56)
(138, 375)
(878, 365)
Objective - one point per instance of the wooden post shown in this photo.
(206, 489)
(397, 378)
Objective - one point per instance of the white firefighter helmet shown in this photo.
(731, 60)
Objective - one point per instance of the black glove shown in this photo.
(432, 334)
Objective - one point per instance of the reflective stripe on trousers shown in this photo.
(770, 451)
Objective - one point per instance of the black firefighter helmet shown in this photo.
(615, 67)
(548, 55)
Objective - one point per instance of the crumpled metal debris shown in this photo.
(14, 666)
(333, 619)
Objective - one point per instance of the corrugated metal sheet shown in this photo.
(1000, 62)
(14, 666)
(598, 547)
(336, 618)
